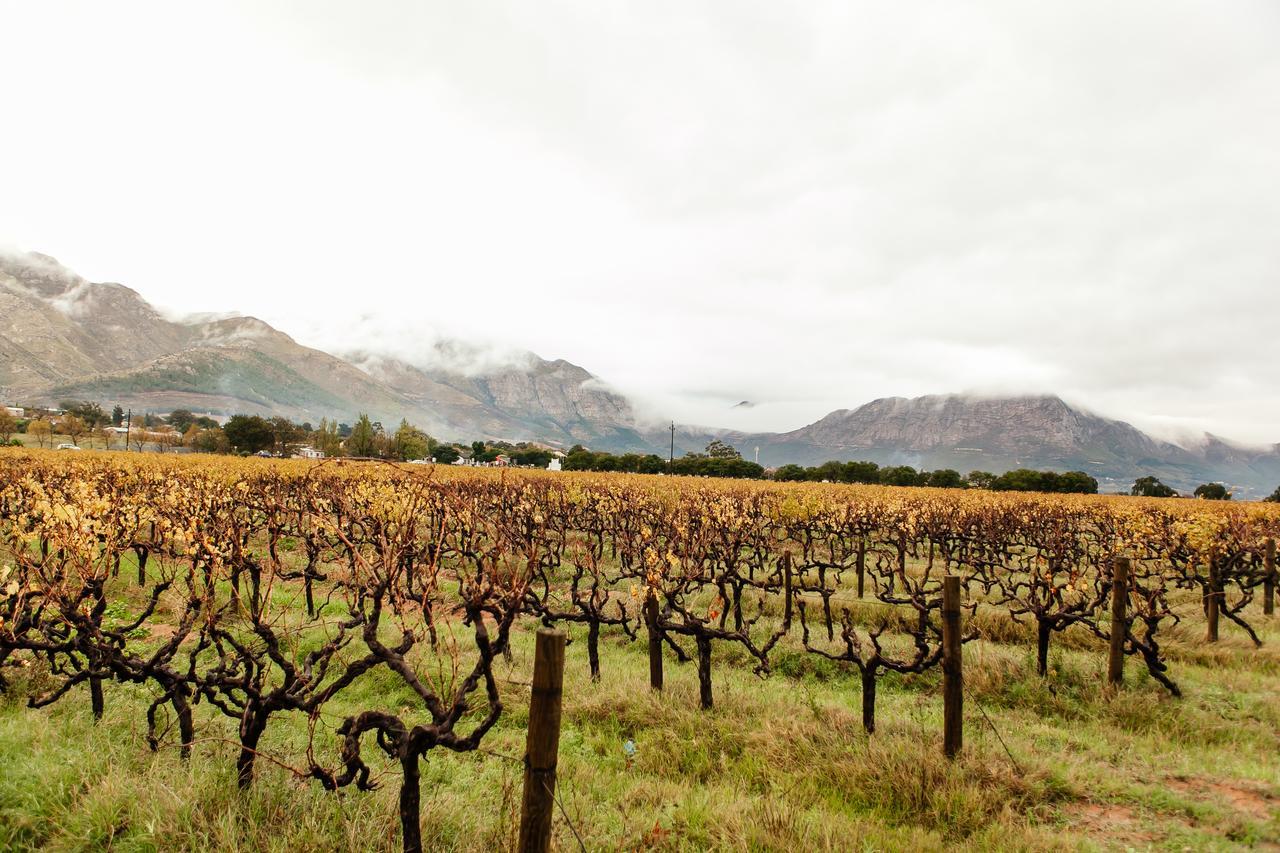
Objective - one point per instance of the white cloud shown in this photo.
(807, 207)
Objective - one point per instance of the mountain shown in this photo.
(1000, 433)
(62, 337)
(552, 401)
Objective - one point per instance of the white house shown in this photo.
(307, 452)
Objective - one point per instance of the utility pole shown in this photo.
(128, 425)
(757, 455)
(671, 460)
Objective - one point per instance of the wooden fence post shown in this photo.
(655, 640)
(1269, 579)
(1212, 601)
(786, 589)
(543, 743)
(862, 566)
(1119, 619)
(952, 669)
(705, 699)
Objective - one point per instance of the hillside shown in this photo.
(63, 337)
(1000, 433)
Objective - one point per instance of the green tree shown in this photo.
(790, 473)
(211, 441)
(363, 440)
(326, 439)
(718, 449)
(1275, 496)
(117, 416)
(1213, 492)
(89, 412)
(285, 435)
(1150, 487)
(945, 478)
(980, 479)
(1078, 483)
(899, 475)
(181, 419)
(410, 443)
(536, 457)
(831, 472)
(248, 433)
(446, 454)
(861, 472)
(651, 463)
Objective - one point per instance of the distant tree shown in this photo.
(1028, 480)
(409, 443)
(945, 478)
(790, 473)
(579, 459)
(1213, 492)
(831, 472)
(363, 440)
(1275, 496)
(89, 412)
(536, 457)
(190, 436)
(43, 432)
(181, 419)
(446, 454)
(8, 426)
(285, 435)
(861, 472)
(1150, 487)
(1078, 483)
(899, 475)
(206, 422)
(651, 463)
(74, 428)
(980, 479)
(117, 416)
(248, 433)
(1021, 480)
(166, 438)
(106, 436)
(325, 438)
(211, 441)
(717, 449)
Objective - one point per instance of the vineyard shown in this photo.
(247, 654)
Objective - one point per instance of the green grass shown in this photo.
(781, 763)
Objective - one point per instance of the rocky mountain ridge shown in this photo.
(1000, 433)
(62, 337)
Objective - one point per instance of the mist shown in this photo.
(806, 208)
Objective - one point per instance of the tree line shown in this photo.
(279, 436)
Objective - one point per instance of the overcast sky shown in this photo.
(803, 205)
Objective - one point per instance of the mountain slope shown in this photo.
(550, 401)
(62, 337)
(1000, 433)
